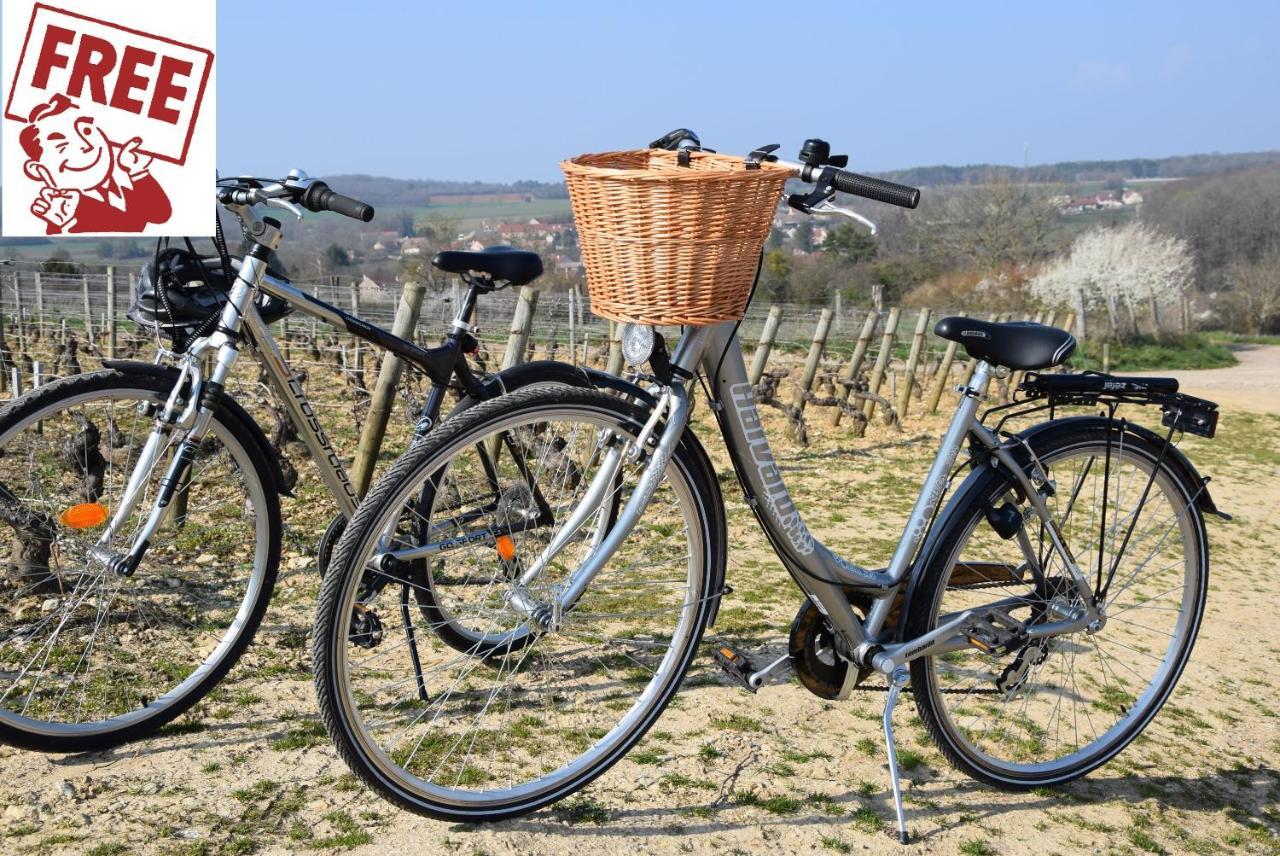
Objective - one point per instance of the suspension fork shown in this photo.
(203, 399)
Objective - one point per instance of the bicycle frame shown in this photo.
(440, 364)
(241, 322)
(821, 573)
(818, 570)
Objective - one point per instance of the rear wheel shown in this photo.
(519, 717)
(90, 658)
(1049, 711)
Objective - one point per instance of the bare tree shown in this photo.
(1255, 291)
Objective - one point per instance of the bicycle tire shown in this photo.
(942, 708)
(340, 701)
(229, 431)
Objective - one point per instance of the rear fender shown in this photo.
(983, 475)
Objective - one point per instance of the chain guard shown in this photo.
(813, 655)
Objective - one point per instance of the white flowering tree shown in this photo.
(1129, 267)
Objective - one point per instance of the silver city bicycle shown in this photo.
(143, 500)
(1041, 616)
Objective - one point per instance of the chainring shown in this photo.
(813, 654)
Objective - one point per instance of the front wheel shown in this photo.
(91, 658)
(1048, 711)
(521, 717)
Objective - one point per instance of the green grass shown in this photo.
(308, 733)
(1242, 338)
(976, 847)
(1193, 351)
(774, 805)
(493, 211)
(582, 810)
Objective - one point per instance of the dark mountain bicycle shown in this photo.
(1041, 616)
(143, 500)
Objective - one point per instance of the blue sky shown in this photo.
(502, 91)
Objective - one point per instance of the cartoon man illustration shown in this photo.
(90, 183)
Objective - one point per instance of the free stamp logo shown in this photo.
(108, 127)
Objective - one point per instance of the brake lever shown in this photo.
(276, 202)
(828, 207)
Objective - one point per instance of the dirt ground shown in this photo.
(781, 772)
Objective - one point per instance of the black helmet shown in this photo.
(178, 292)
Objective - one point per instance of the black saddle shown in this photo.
(507, 264)
(1016, 344)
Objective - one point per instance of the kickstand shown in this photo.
(412, 639)
(901, 677)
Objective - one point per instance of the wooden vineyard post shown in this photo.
(88, 312)
(767, 336)
(1106, 358)
(375, 427)
(521, 325)
(811, 366)
(111, 313)
(881, 365)
(940, 379)
(358, 359)
(20, 332)
(5, 355)
(1069, 323)
(40, 301)
(855, 363)
(913, 360)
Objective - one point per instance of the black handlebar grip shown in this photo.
(319, 197)
(877, 189)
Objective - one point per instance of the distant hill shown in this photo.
(418, 193)
(1070, 172)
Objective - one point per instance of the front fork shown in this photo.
(192, 423)
(190, 417)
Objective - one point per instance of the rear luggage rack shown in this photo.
(1181, 412)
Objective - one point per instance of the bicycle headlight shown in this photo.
(637, 343)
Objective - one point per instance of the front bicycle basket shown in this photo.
(671, 237)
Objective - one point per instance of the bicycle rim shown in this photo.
(87, 653)
(505, 730)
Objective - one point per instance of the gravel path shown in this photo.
(1254, 384)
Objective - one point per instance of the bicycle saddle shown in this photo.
(518, 267)
(1015, 344)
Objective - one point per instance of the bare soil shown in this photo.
(251, 770)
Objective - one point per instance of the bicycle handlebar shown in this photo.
(298, 189)
(877, 189)
(814, 171)
(318, 197)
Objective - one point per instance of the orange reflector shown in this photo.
(506, 547)
(84, 516)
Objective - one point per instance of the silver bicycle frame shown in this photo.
(241, 313)
(819, 571)
(220, 348)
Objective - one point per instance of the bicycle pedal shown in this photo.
(736, 666)
(996, 633)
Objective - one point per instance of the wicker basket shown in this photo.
(670, 244)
